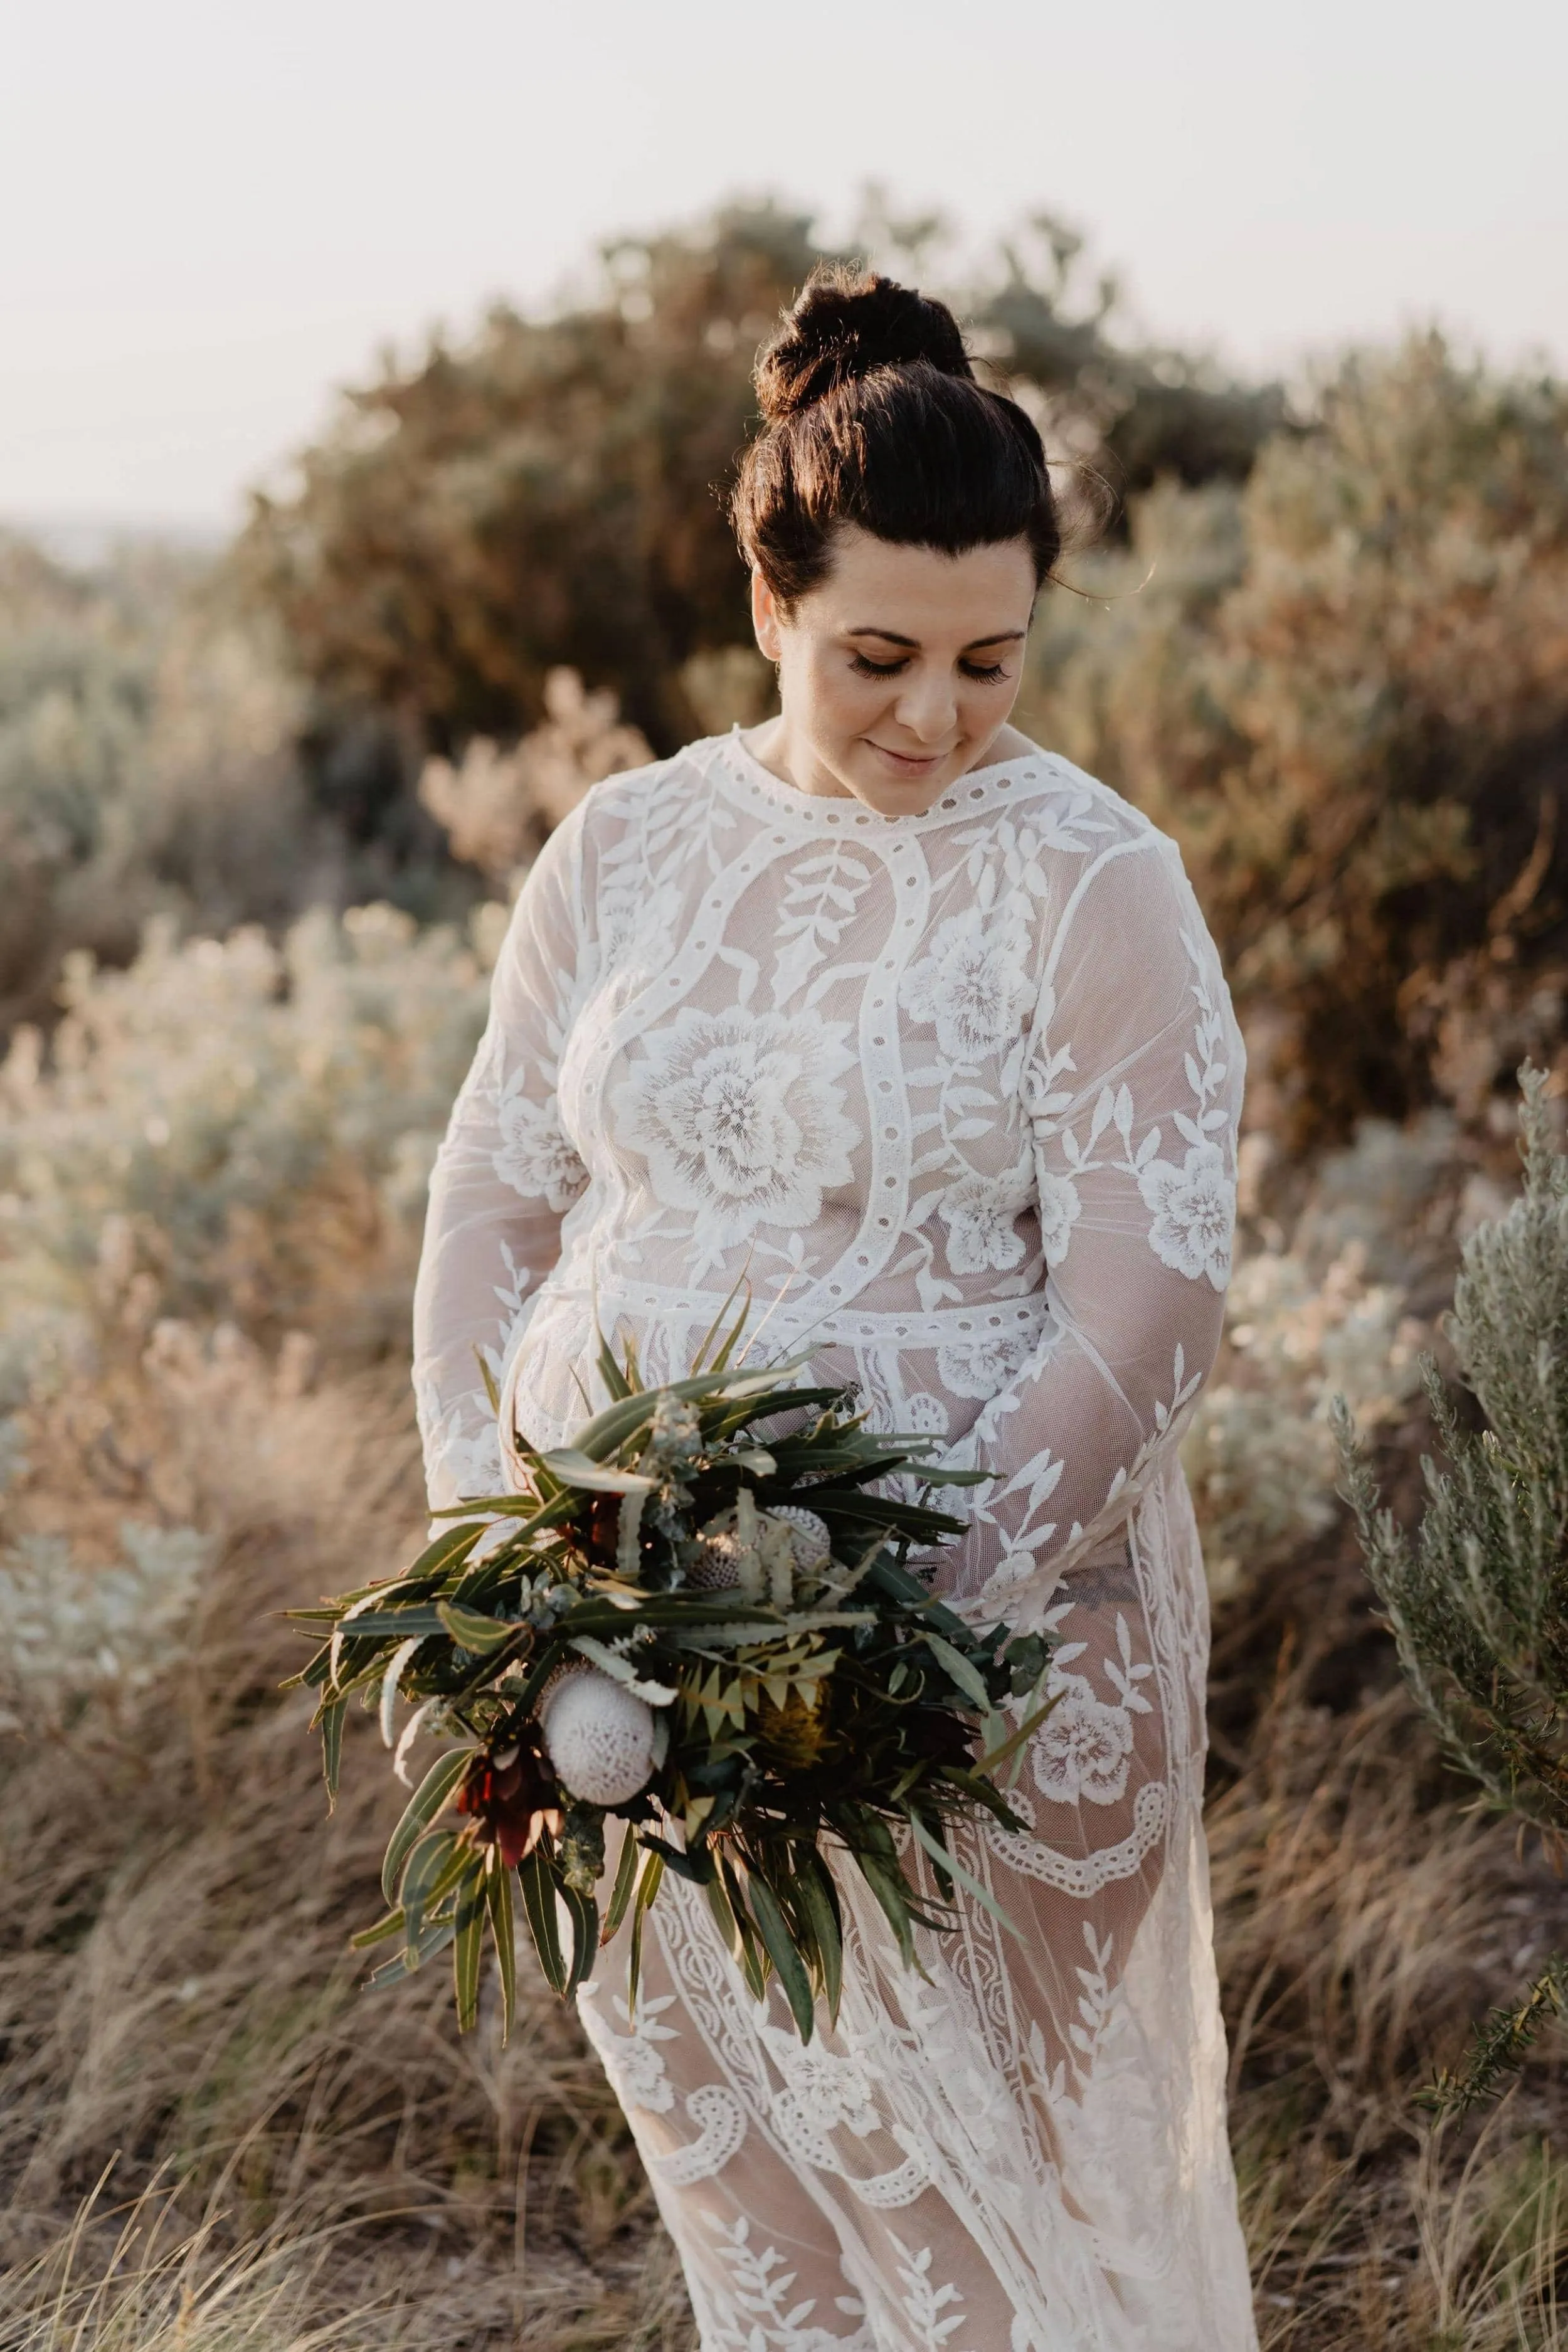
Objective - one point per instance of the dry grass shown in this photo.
(210, 2141)
(1365, 1913)
(181, 2015)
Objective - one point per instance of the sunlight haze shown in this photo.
(215, 217)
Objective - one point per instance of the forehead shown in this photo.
(922, 592)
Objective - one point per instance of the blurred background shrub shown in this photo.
(1343, 685)
(259, 821)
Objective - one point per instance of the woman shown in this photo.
(920, 1028)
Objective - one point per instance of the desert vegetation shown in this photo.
(259, 821)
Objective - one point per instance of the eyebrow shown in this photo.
(891, 638)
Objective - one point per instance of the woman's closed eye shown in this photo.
(985, 673)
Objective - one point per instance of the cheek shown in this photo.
(987, 702)
(839, 701)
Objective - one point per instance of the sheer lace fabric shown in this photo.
(959, 1093)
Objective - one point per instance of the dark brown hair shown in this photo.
(872, 416)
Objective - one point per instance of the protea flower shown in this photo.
(514, 1797)
(601, 1529)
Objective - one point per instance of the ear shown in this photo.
(766, 621)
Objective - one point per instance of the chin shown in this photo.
(892, 794)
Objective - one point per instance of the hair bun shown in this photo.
(846, 323)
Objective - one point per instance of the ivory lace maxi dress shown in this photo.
(959, 1090)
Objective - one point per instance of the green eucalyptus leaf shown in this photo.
(503, 1927)
(979, 1792)
(332, 1721)
(819, 1901)
(584, 1913)
(432, 1871)
(754, 1957)
(467, 1949)
(433, 1791)
(610, 1372)
(959, 1670)
(647, 1888)
(626, 1879)
(444, 1552)
(723, 1916)
(538, 1883)
(951, 1867)
(992, 1760)
(888, 1883)
(392, 1924)
(471, 1630)
(408, 1960)
(392, 1624)
(574, 1469)
(773, 1929)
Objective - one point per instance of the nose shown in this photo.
(926, 707)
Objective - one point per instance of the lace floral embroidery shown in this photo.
(974, 984)
(761, 2311)
(633, 2060)
(534, 1157)
(739, 1117)
(981, 1215)
(979, 1368)
(1195, 1211)
(1084, 1748)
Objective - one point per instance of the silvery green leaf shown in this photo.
(574, 1469)
(389, 1681)
(433, 1791)
(472, 1629)
(409, 1734)
(959, 1670)
(621, 1670)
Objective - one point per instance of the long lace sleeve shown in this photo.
(504, 1179)
(1133, 1089)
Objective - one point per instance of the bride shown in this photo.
(921, 1027)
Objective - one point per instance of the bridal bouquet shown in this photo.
(709, 1633)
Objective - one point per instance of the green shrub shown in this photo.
(1477, 1597)
(247, 1125)
(550, 491)
(1345, 686)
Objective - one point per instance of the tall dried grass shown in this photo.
(210, 2140)
(180, 2003)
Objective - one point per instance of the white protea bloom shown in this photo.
(599, 1736)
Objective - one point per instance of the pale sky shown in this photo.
(214, 214)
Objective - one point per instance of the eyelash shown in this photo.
(988, 673)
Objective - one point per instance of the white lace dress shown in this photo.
(959, 1090)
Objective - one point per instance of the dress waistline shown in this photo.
(944, 1327)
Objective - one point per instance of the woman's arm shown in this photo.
(1135, 1076)
(504, 1178)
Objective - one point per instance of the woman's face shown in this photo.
(897, 673)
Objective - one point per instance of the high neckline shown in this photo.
(977, 790)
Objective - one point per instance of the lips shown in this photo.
(921, 760)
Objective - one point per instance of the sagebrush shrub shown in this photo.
(1344, 689)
